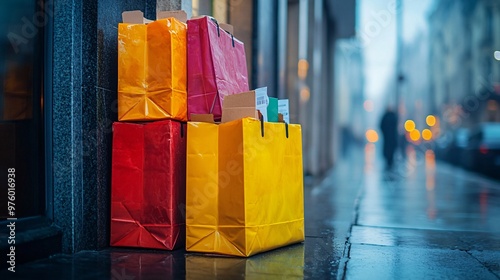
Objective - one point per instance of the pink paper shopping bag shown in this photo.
(216, 66)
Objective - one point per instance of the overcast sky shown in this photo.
(377, 29)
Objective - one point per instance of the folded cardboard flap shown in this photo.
(228, 27)
(234, 107)
(137, 16)
(180, 15)
(208, 118)
(280, 118)
(133, 17)
(239, 106)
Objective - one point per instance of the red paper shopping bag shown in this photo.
(148, 185)
(216, 66)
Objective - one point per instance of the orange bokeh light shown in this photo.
(371, 136)
(302, 68)
(430, 120)
(305, 94)
(409, 125)
(415, 135)
(426, 134)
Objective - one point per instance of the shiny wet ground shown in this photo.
(424, 220)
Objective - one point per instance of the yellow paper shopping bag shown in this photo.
(244, 187)
(152, 68)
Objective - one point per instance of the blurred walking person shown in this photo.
(388, 126)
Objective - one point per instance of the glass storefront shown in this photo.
(21, 106)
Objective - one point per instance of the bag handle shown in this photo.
(229, 29)
(218, 27)
(261, 118)
(282, 120)
(226, 27)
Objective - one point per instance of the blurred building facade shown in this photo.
(349, 93)
(463, 74)
(414, 91)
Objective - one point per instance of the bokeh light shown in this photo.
(415, 135)
(302, 68)
(496, 54)
(368, 105)
(305, 94)
(426, 134)
(430, 120)
(371, 136)
(409, 125)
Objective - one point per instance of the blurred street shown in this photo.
(424, 220)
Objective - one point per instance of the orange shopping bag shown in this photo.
(152, 71)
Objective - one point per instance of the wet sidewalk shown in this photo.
(424, 220)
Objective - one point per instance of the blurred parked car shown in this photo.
(483, 150)
(443, 146)
(461, 141)
(451, 145)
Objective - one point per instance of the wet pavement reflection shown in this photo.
(424, 219)
(285, 263)
(423, 194)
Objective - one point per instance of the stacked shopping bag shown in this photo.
(149, 141)
(228, 183)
